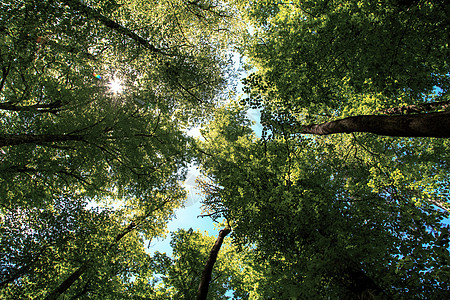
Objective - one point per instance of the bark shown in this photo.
(207, 271)
(418, 125)
(417, 108)
(77, 5)
(38, 139)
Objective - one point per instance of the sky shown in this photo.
(188, 216)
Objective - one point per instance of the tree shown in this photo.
(68, 141)
(182, 273)
(324, 61)
(316, 64)
(55, 109)
(314, 214)
(89, 173)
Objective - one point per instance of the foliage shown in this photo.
(327, 59)
(316, 220)
(354, 216)
(88, 173)
(67, 120)
(43, 246)
(180, 274)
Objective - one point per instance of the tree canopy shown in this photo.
(343, 195)
(322, 60)
(330, 221)
(73, 147)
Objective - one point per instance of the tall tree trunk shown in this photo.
(38, 139)
(207, 271)
(419, 125)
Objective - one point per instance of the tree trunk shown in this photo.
(66, 284)
(38, 139)
(419, 125)
(207, 271)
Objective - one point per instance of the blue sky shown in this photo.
(188, 216)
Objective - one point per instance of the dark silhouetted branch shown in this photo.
(51, 107)
(38, 139)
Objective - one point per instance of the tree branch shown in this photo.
(20, 139)
(66, 284)
(419, 125)
(51, 107)
(77, 5)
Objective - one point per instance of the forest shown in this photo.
(344, 193)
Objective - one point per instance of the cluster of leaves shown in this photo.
(180, 274)
(43, 246)
(306, 52)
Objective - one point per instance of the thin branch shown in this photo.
(88, 127)
(189, 92)
(38, 139)
(72, 50)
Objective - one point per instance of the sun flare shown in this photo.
(115, 86)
